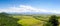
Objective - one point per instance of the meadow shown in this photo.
(25, 20)
(32, 20)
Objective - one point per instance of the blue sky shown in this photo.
(48, 6)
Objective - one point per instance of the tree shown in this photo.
(53, 21)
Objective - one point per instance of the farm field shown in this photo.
(25, 20)
(41, 20)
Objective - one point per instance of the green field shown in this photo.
(25, 20)
(40, 19)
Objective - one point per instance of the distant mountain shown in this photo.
(30, 13)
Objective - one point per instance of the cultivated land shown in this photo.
(42, 20)
(25, 20)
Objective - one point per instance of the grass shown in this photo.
(31, 21)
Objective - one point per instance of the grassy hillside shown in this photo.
(25, 20)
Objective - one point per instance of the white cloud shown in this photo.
(25, 8)
(0, 11)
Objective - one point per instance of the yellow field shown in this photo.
(30, 21)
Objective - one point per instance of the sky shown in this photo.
(19, 6)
